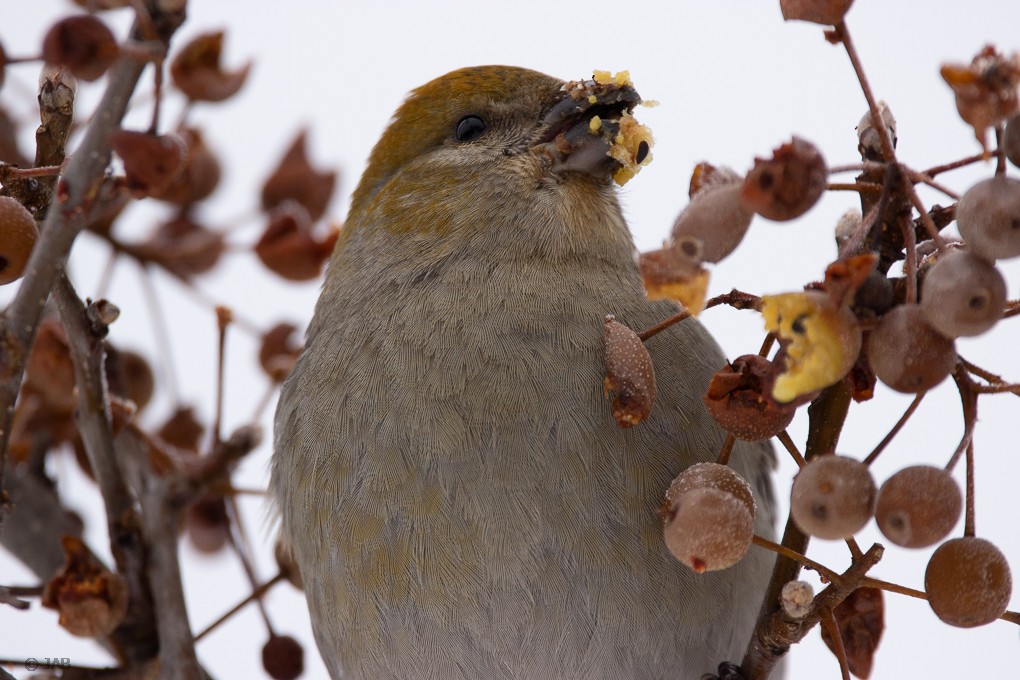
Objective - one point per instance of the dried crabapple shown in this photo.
(906, 353)
(208, 524)
(283, 657)
(288, 247)
(18, 234)
(968, 582)
(715, 217)
(711, 476)
(963, 294)
(200, 175)
(832, 497)
(630, 375)
(82, 44)
(279, 349)
(826, 12)
(151, 162)
(739, 397)
(708, 529)
(295, 179)
(985, 89)
(197, 72)
(788, 184)
(674, 272)
(91, 599)
(822, 341)
(183, 246)
(988, 217)
(918, 506)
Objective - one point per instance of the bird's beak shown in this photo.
(589, 129)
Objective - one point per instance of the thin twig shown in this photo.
(895, 429)
(828, 619)
(255, 595)
(664, 324)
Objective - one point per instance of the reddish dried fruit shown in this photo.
(629, 373)
(279, 350)
(283, 657)
(963, 294)
(200, 175)
(715, 217)
(988, 217)
(91, 599)
(708, 529)
(18, 235)
(50, 372)
(129, 375)
(787, 185)
(739, 397)
(907, 354)
(208, 524)
(81, 44)
(295, 179)
(985, 89)
(968, 582)
(183, 246)
(288, 248)
(861, 622)
(826, 12)
(832, 497)
(182, 430)
(151, 162)
(918, 506)
(197, 73)
(675, 273)
(711, 476)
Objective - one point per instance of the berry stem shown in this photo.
(968, 402)
(963, 162)
(804, 560)
(832, 628)
(255, 595)
(664, 324)
(1000, 150)
(895, 428)
(727, 449)
(968, 520)
(859, 187)
(791, 447)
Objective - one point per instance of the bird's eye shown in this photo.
(470, 128)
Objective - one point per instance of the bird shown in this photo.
(449, 479)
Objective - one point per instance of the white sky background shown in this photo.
(733, 81)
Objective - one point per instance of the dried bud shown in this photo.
(739, 397)
(200, 175)
(197, 73)
(675, 273)
(787, 185)
(796, 599)
(151, 162)
(985, 89)
(279, 351)
(295, 179)
(715, 217)
(183, 246)
(18, 235)
(822, 341)
(91, 599)
(825, 12)
(288, 248)
(81, 44)
(283, 658)
(629, 373)
(869, 142)
(208, 524)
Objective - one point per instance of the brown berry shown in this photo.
(197, 72)
(675, 273)
(295, 179)
(988, 217)
(826, 12)
(787, 185)
(906, 353)
(208, 524)
(963, 294)
(968, 582)
(91, 599)
(200, 175)
(918, 506)
(711, 476)
(18, 234)
(283, 658)
(288, 247)
(183, 246)
(630, 375)
(81, 44)
(985, 89)
(279, 350)
(832, 497)
(709, 529)
(151, 162)
(739, 397)
(715, 217)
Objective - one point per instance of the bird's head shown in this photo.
(485, 134)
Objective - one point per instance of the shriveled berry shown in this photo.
(963, 294)
(826, 12)
(630, 375)
(988, 217)
(295, 179)
(288, 246)
(18, 235)
(906, 353)
(833, 497)
(709, 530)
(151, 162)
(918, 506)
(968, 582)
(675, 273)
(711, 476)
(788, 184)
(197, 72)
(82, 44)
(715, 217)
(739, 397)
(208, 524)
(200, 175)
